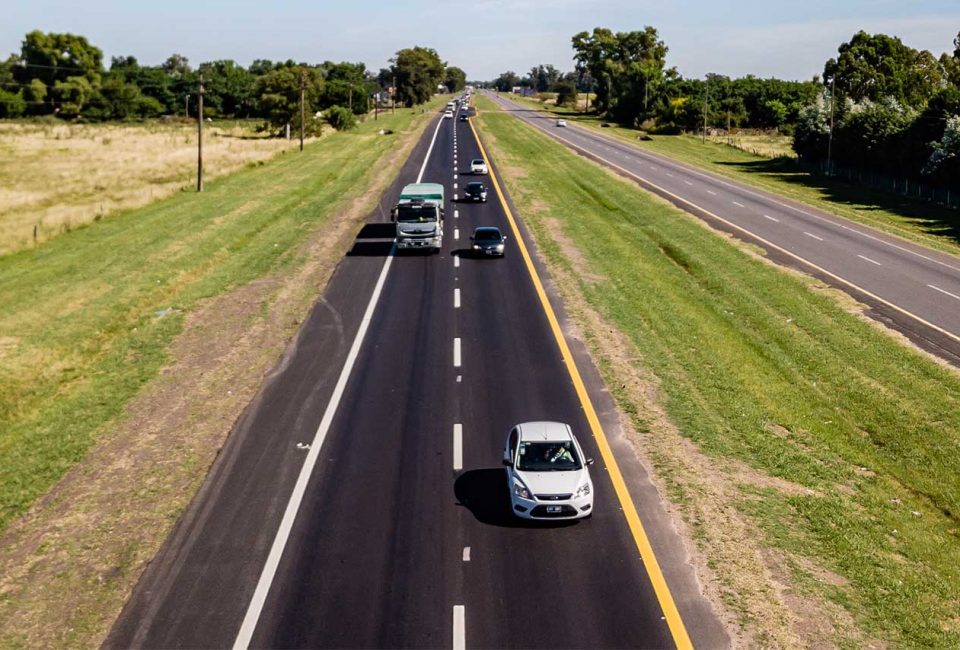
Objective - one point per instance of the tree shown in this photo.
(340, 118)
(566, 92)
(877, 66)
(72, 95)
(543, 77)
(278, 93)
(176, 66)
(228, 88)
(507, 81)
(454, 79)
(417, 72)
(58, 57)
(625, 66)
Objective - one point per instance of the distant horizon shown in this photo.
(498, 35)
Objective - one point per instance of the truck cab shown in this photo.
(419, 217)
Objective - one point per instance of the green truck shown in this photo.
(419, 217)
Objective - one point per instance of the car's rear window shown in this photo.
(487, 235)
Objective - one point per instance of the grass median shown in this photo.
(828, 443)
(926, 223)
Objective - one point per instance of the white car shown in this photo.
(478, 166)
(561, 122)
(547, 472)
(448, 113)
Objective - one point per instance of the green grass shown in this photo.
(82, 325)
(757, 367)
(920, 221)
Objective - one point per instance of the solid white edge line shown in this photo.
(456, 352)
(259, 598)
(459, 627)
(869, 260)
(952, 295)
(810, 234)
(458, 447)
(456, 298)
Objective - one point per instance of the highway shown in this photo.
(908, 287)
(360, 502)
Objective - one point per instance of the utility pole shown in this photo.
(833, 94)
(200, 135)
(393, 94)
(706, 102)
(303, 84)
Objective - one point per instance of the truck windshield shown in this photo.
(408, 213)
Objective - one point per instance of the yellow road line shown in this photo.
(651, 184)
(670, 612)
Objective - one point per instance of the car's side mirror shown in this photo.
(508, 462)
(471, 237)
(393, 214)
(589, 461)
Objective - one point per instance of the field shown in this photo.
(129, 347)
(811, 454)
(771, 169)
(57, 176)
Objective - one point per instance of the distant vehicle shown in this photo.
(547, 473)
(451, 105)
(419, 216)
(475, 191)
(488, 240)
(448, 113)
(463, 117)
(561, 122)
(478, 166)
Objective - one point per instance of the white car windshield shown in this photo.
(548, 457)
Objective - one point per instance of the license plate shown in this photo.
(553, 508)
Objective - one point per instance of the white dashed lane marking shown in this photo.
(952, 295)
(812, 236)
(458, 447)
(767, 216)
(870, 260)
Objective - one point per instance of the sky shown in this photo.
(789, 39)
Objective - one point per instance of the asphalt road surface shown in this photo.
(909, 287)
(400, 534)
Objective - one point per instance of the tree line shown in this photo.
(64, 75)
(894, 109)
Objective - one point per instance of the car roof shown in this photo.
(474, 184)
(477, 160)
(540, 431)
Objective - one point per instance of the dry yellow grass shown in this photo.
(56, 177)
(768, 145)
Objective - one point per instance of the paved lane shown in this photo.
(910, 287)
